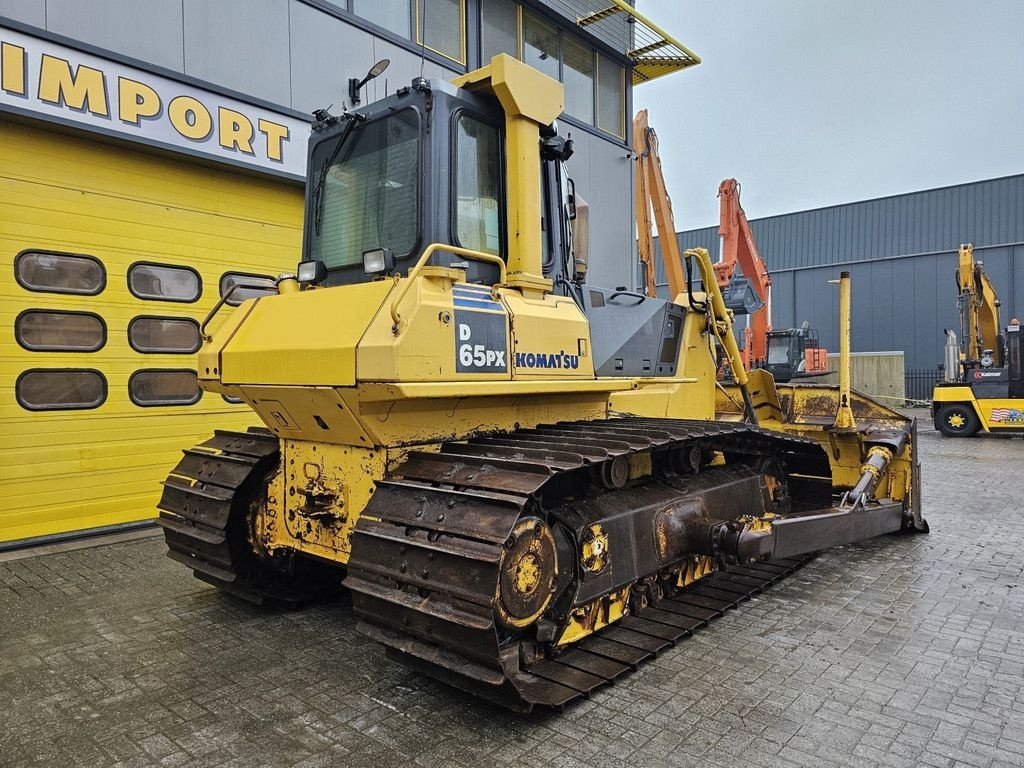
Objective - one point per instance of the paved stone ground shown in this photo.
(897, 652)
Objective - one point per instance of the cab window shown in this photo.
(477, 185)
(366, 195)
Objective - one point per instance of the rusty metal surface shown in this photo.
(425, 573)
(196, 513)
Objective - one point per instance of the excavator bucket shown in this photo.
(740, 297)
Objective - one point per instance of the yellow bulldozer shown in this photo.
(527, 483)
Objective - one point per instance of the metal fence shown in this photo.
(919, 383)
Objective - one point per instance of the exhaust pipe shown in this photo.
(952, 364)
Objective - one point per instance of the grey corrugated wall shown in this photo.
(902, 255)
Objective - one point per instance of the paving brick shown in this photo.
(896, 652)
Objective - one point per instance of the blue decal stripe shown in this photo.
(468, 287)
(481, 296)
(472, 304)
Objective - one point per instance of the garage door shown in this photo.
(113, 256)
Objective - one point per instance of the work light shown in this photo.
(378, 261)
(311, 272)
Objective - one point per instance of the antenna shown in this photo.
(423, 44)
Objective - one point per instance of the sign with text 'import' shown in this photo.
(44, 79)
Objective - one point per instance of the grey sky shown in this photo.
(816, 102)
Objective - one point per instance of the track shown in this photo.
(608, 654)
(426, 569)
(212, 480)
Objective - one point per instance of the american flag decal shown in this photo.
(1007, 414)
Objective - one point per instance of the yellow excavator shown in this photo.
(528, 484)
(984, 372)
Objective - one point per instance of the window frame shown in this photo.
(64, 291)
(238, 302)
(422, 191)
(131, 342)
(417, 36)
(517, 33)
(453, 180)
(180, 404)
(143, 263)
(622, 96)
(594, 55)
(43, 310)
(40, 409)
(521, 45)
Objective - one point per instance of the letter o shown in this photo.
(178, 111)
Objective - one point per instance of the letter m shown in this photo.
(84, 90)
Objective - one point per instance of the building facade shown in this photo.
(902, 255)
(152, 155)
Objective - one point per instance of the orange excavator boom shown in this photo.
(739, 250)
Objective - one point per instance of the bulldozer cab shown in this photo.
(421, 166)
(428, 165)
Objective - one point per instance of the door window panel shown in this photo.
(393, 15)
(42, 330)
(164, 282)
(168, 335)
(578, 75)
(59, 272)
(540, 45)
(369, 195)
(60, 389)
(499, 29)
(477, 186)
(154, 386)
(441, 27)
(610, 108)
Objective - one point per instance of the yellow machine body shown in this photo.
(452, 443)
(994, 414)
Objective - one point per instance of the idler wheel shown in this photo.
(527, 573)
(615, 473)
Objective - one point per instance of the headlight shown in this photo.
(379, 261)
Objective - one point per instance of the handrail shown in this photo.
(720, 314)
(219, 304)
(403, 289)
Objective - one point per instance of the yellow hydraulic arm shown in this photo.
(979, 307)
(651, 193)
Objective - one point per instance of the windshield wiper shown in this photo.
(318, 190)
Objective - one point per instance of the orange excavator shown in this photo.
(742, 274)
(746, 285)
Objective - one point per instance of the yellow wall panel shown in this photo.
(64, 471)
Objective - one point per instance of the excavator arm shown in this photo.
(979, 308)
(750, 293)
(652, 194)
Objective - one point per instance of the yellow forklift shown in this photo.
(983, 387)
